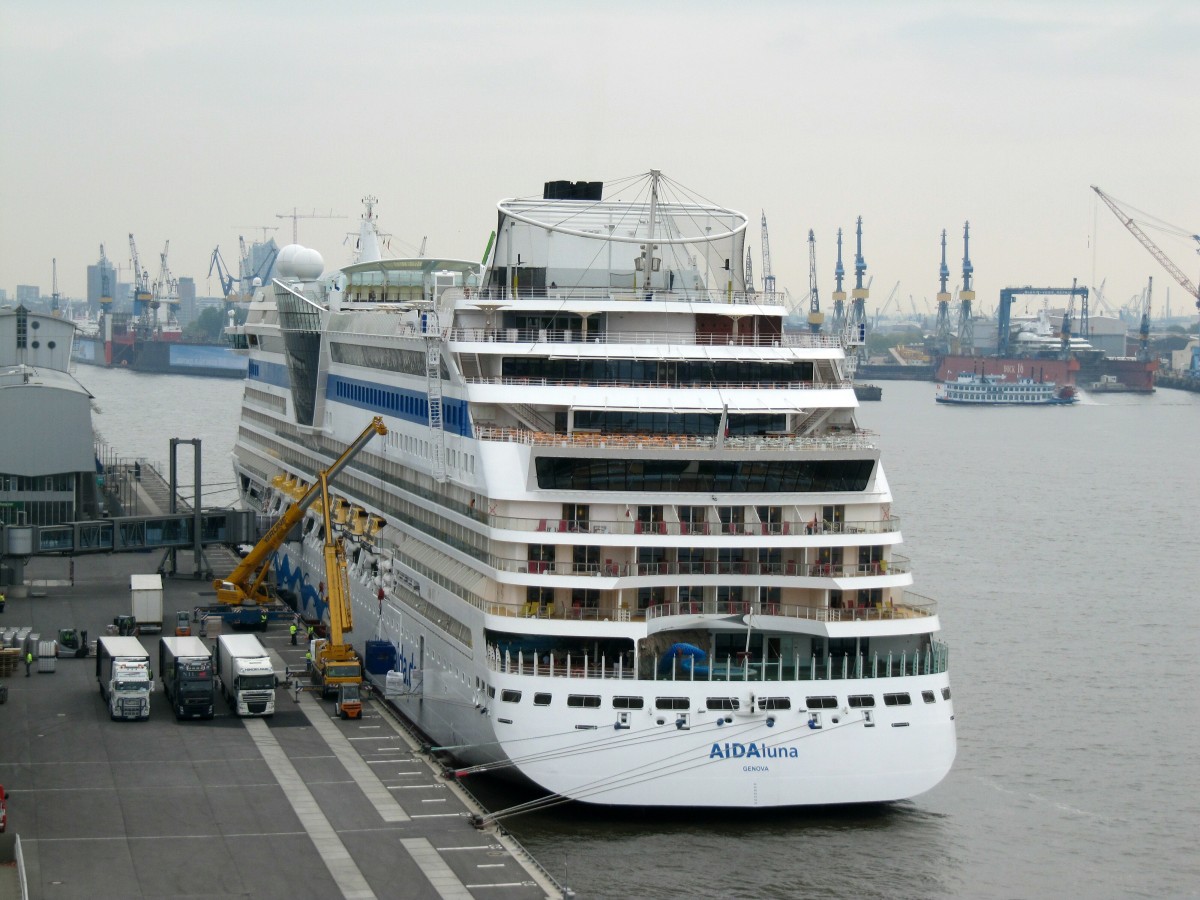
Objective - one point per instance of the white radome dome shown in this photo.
(296, 261)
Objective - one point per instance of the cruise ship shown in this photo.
(624, 536)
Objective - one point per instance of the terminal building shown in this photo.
(47, 456)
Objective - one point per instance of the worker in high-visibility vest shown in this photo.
(293, 631)
(28, 661)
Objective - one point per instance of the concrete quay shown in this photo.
(301, 804)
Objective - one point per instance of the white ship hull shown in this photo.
(699, 609)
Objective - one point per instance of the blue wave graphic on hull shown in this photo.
(309, 602)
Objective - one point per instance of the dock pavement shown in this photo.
(300, 804)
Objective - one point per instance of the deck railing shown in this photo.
(634, 526)
(851, 440)
(789, 568)
(932, 660)
(669, 338)
(529, 381)
(910, 606)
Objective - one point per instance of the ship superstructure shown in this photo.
(624, 535)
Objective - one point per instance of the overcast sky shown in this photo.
(194, 122)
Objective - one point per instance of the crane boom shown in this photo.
(768, 277)
(1176, 272)
(244, 586)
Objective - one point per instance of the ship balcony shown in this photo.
(933, 659)
(857, 439)
(909, 606)
(897, 565)
(630, 526)
(529, 381)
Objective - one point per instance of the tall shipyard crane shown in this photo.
(54, 295)
(1155, 251)
(858, 297)
(166, 287)
(839, 295)
(749, 269)
(966, 325)
(106, 291)
(141, 284)
(768, 279)
(941, 329)
(815, 316)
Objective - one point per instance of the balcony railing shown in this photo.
(669, 338)
(664, 385)
(910, 606)
(623, 525)
(932, 660)
(790, 568)
(851, 440)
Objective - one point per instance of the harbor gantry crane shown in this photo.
(141, 285)
(1155, 251)
(749, 270)
(166, 289)
(861, 292)
(941, 329)
(54, 296)
(815, 316)
(768, 279)
(106, 292)
(966, 296)
(839, 295)
(1144, 327)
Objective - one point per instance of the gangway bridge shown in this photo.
(132, 534)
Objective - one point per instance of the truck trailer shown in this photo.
(123, 671)
(146, 595)
(185, 666)
(247, 674)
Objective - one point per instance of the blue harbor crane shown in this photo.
(966, 325)
(106, 291)
(839, 295)
(815, 316)
(858, 302)
(941, 329)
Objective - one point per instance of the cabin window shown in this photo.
(774, 702)
(897, 700)
(859, 701)
(945, 693)
(728, 703)
(541, 699)
(821, 702)
(928, 696)
(670, 702)
(587, 701)
(510, 696)
(628, 702)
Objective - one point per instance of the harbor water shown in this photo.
(1061, 545)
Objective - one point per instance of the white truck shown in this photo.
(246, 673)
(146, 592)
(186, 668)
(123, 671)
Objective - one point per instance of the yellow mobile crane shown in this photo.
(242, 597)
(336, 667)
